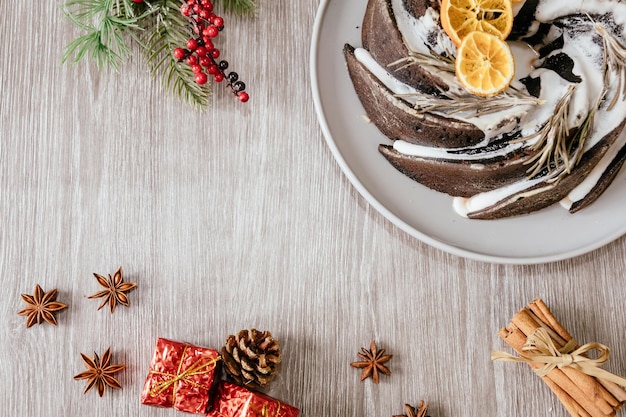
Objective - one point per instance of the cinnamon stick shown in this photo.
(537, 305)
(541, 310)
(581, 394)
(612, 393)
(516, 339)
(584, 388)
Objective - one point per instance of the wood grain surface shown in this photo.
(239, 217)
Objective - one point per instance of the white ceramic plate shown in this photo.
(548, 235)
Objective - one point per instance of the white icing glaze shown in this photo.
(490, 124)
(430, 152)
(582, 46)
(585, 187)
(512, 192)
(481, 201)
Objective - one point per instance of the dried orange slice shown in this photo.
(484, 64)
(460, 17)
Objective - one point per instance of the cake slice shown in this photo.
(397, 119)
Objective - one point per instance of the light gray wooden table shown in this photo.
(239, 217)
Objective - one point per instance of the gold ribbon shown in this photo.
(540, 349)
(260, 413)
(174, 379)
(263, 412)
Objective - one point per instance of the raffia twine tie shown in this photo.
(540, 349)
(174, 379)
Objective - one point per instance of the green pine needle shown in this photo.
(166, 31)
(157, 26)
(108, 23)
(239, 7)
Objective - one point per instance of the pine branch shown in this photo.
(239, 7)
(168, 30)
(108, 24)
(157, 26)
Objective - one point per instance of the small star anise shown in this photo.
(420, 411)
(372, 362)
(99, 372)
(115, 290)
(41, 306)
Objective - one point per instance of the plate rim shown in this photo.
(373, 201)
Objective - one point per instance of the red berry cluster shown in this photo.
(200, 53)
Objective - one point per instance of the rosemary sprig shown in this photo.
(558, 153)
(614, 59)
(433, 59)
(450, 103)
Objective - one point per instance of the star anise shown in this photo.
(115, 290)
(372, 362)
(420, 411)
(41, 306)
(99, 372)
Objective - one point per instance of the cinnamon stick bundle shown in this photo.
(581, 394)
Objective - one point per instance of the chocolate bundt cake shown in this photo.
(555, 135)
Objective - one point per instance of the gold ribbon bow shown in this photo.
(540, 349)
(174, 379)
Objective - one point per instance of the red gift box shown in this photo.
(236, 401)
(181, 376)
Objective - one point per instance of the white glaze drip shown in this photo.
(582, 46)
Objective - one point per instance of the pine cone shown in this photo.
(251, 357)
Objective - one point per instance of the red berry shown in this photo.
(201, 78)
(208, 44)
(218, 21)
(196, 68)
(219, 77)
(211, 31)
(203, 14)
(201, 51)
(192, 60)
(208, 6)
(243, 96)
(192, 44)
(138, 1)
(184, 9)
(179, 53)
(213, 69)
(215, 53)
(191, 2)
(205, 61)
